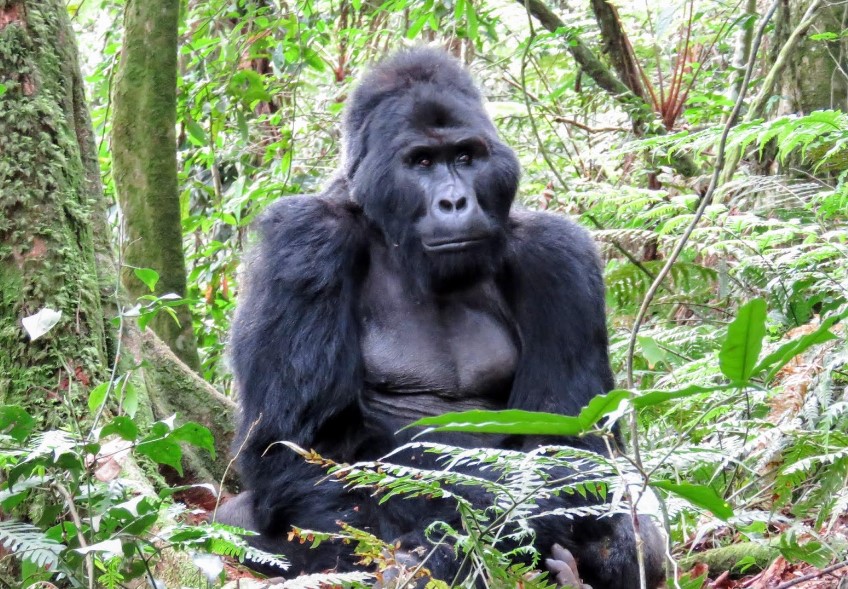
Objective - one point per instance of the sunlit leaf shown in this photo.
(148, 276)
(698, 495)
(744, 341)
(97, 396)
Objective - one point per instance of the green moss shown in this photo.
(145, 164)
(46, 245)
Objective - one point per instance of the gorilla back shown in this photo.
(411, 287)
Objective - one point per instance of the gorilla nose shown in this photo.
(451, 205)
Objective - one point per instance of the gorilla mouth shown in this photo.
(453, 245)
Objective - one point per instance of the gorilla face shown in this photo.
(461, 240)
(431, 174)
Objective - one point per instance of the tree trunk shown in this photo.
(145, 163)
(49, 200)
(617, 47)
(641, 113)
(741, 48)
(56, 250)
(815, 75)
(793, 54)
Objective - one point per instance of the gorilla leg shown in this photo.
(605, 551)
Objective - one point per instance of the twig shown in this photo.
(230, 464)
(812, 576)
(72, 509)
(589, 129)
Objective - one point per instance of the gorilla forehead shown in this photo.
(403, 72)
(412, 92)
(425, 113)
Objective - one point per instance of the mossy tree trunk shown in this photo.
(814, 77)
(49, 205)
(56, 250)
(145, 163)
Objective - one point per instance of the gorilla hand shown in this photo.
(563, 569)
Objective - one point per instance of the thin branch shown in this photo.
(587, 128)
(75, 517)
(230, 464)
(812, 576)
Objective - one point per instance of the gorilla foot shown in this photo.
(563, 569)
(404, 570)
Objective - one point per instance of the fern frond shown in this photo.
(320, 580)
(26, 541)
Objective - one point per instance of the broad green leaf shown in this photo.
(148, 276)
(518, 421)
(652, 353)
(163, 451)
(458, 9)
(97, 396)
(700, 496)
(509, 421)
(826, 36)
(196, 133)
(313, 59)
(471, 18)
(600, 406)
(123, 426)
(686, 581)
(784, 354)
(741, 349)
(16, 422)
(649, 398)
(417, 25)
(196, 435)
(130, 400)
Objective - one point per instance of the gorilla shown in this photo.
(412, 287)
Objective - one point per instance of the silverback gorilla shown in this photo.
(411, 287)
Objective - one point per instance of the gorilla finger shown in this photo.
(563, 575)
(564, 555)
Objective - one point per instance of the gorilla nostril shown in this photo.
(461, 203)
(445, 205)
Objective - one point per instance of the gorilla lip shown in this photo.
(453, 245)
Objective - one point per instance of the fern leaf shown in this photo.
(28, 542)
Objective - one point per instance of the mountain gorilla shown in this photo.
(409, 288)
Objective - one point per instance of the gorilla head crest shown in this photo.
(415, 126)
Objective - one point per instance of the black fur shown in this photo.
(297, 336)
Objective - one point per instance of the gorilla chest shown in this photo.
(432, 356)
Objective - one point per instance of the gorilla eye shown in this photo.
(463, 158)
(423, 161)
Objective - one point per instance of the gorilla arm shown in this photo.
(558, 299)
(296, 360)
(557, 295)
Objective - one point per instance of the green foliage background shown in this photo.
(739, 399)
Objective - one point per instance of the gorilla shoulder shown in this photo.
(553, 238)
(305, 235)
